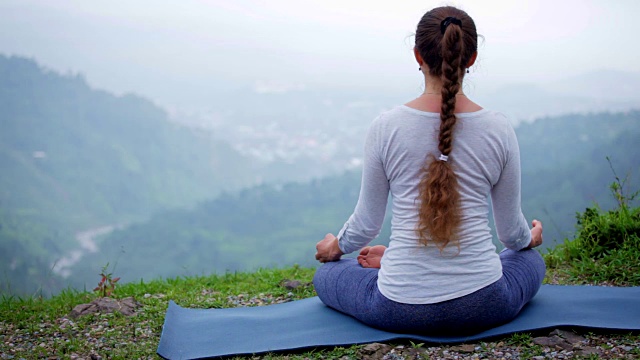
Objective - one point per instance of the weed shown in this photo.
(520, 339)
(107, 284)
(606, 247)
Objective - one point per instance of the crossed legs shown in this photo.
(350, 286)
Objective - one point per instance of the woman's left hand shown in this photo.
(328, 250)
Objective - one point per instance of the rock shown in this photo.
(128, 306)
(291, 284)
(587, 351)
(374, 351)
(393, 356)
(106, 305)
(371, 348)
(553, 342)
(464, 348)
(569, 336)
(412, 353)
(564, 346)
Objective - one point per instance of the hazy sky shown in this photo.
(174, 50)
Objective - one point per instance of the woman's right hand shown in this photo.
(536, 234)
(328, 249)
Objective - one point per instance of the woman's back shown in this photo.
(484, 146)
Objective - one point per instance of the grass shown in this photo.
(123, 337)
(606, 250)
(25, 320)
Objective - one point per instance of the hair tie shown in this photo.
(443, 157)
(448, 21)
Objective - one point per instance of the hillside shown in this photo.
(564, 171)
(75, 158)
(565, 167)
(259, 227)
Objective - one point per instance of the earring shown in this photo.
(420, 68)
(467, 70)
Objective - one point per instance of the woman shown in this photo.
(441, 156)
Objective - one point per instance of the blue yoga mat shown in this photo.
(308, 323)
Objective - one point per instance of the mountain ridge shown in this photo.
(74, 157)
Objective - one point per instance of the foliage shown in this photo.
(263, 226)
(74, 158)
(521, 339)
(564, 165)
(107, 284)
(606, 247)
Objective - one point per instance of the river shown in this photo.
(87, 244)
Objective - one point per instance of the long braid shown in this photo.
(440, 214)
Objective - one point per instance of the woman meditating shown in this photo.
(441, 156)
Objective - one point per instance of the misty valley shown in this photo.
(90, 180)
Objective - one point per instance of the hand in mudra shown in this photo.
(328, 250)
(536, 234)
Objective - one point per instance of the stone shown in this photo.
(412, 353)
(552, 342)
(371, 348)
(587, 351)
(105, 305)
(291, 284)
(464, 348)
(373, 351)
(569, 336)
(393, 356)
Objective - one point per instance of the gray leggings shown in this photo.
(349, 288)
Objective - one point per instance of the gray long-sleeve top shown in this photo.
(486, 159)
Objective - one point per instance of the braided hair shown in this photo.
(446, 39)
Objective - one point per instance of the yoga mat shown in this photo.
(308, 323)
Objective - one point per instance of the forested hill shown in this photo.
(565, 166)
(564, 171)
(73, 158)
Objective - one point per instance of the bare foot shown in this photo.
(370, 256)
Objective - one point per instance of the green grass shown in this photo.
(28, 322)
(606, 247)
(120, 337)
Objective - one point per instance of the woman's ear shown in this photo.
(418, 56)
(474, 56)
